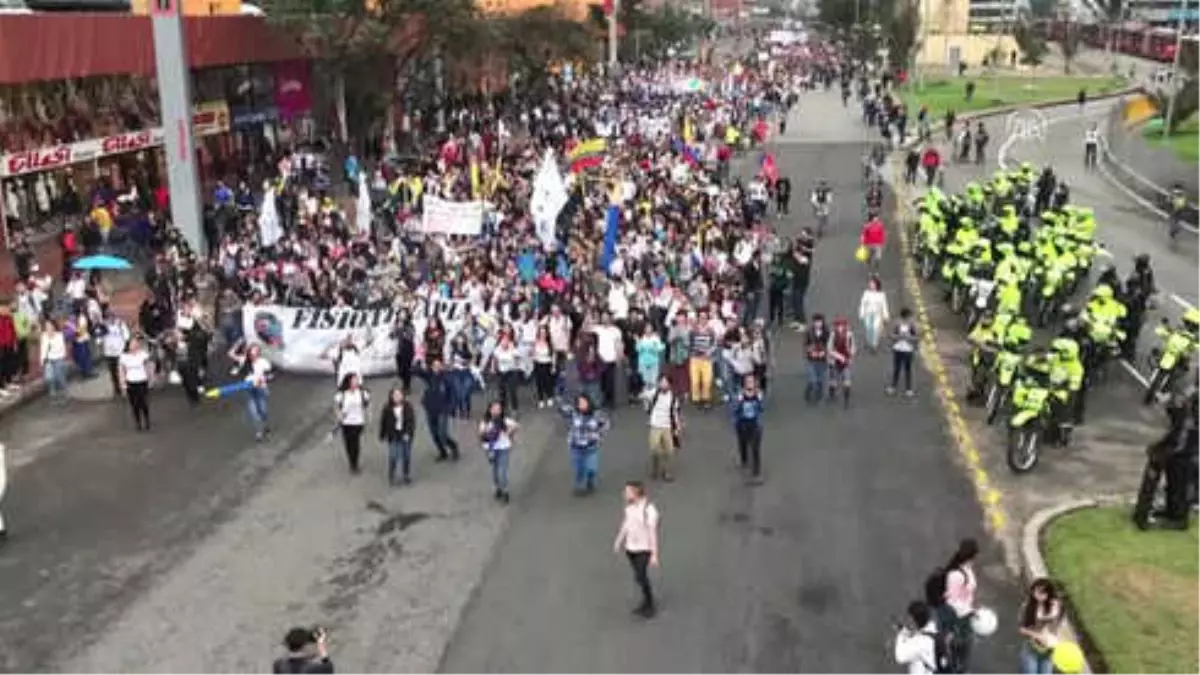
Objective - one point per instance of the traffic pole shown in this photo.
(612, 35)
(175, 102)
(1175, 88)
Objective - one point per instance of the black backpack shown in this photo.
(948, 639)
(947, 651)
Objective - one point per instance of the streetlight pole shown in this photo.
(612, 35)
(1175, 88)
(175, 102)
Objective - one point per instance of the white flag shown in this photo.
(362, 215)
(549, 198)
(269, 229)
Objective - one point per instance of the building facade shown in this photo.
(80, 121)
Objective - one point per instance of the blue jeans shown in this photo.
(586, 462)
(462, 382)
(1035, 663)
(750, 307)
(499, 459)
(590, 390)
(81, 352)
(55, 373)
(256, 405)
(399, 452)
(439, 431)
(815, 386)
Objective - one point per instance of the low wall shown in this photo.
(1143, 167)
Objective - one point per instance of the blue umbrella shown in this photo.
(102, 262)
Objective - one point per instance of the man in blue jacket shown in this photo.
(438, 403)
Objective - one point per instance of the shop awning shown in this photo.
(48, 47)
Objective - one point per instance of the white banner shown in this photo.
(269, 229)
(446, 217)
(549, 198)
(306, 339)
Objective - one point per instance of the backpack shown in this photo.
(947, 650)
(948, 640)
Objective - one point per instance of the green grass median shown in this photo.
(1134, 592)
(1185, 141)
(948, 93)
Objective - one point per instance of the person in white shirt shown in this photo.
(609, 350)
(506, 363)
(666, 423)
(134, 373)
(873, 312)
(496, 432)
(54, 360)
(915, 646)
(1091, 145)
(114, 335)
(256, 370)
(560, 335)
(350, 406)
(638, 538)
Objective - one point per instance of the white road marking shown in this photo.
(1181, 302)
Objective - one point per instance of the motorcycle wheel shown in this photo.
(995, 402)
(1045, 311)
(1157, 380)
(927, 266)
(1022, 452)
(956, 298)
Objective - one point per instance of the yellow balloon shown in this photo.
(1067, 658)
(860, 254)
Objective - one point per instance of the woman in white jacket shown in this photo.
(873, 312)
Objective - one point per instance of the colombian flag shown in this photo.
(588, 154)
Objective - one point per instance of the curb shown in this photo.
(1034, 565)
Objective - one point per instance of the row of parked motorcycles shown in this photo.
(1017, 272)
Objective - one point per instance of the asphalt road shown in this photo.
(192, 549)
(804, 573)
(97, 511)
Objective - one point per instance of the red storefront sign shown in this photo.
(207, 119)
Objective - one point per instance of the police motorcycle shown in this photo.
(1103, 333)
(1172, 359)
(1029, 423)
(1006, 364)
(980, 291)
(1040, 402)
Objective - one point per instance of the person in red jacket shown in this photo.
(8, 349)
(930, 161)
(873, 237)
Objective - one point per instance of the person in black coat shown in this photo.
(397, 426)
(403, 333)
(438, 402)
(307, 653)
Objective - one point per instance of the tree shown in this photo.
(902, 28)
(1033, 47)
(362, 45)
(1069, 46)
(534, 39)
(839, 14)
(1186, 92)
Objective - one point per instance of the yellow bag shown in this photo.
(861, 254)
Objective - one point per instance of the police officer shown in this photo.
(1175, 456)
